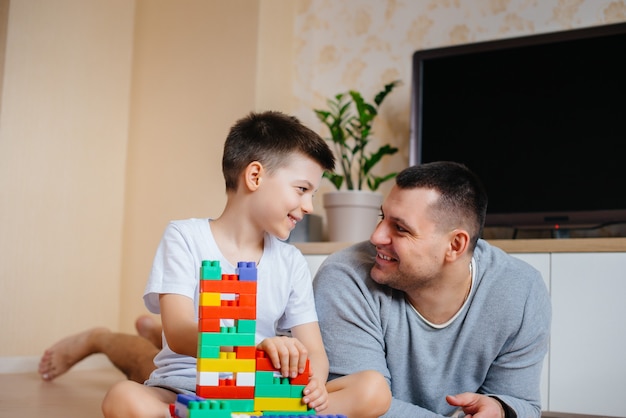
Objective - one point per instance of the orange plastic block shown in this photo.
(246, 299)
(225, 392)
(208, 325)
(264, 364)
(245, 352)
(302, 378)
(227, 286)
(230, 312)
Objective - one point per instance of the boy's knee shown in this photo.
(128, 399)
(118, 403)
(377, 389)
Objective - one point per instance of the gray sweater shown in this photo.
(496, 346)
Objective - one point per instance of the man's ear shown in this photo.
(252, 175)
(459, 243)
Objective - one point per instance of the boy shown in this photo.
(272, 166)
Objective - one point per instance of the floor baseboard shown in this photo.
(568, 415)
(27, 364)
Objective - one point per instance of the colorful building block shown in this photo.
(210, 270)
(192, 406)
(234, 378)
(246, 270)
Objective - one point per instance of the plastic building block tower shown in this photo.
(233, 377)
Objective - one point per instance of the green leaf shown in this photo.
(377, 156)
(374, 182)
(386, 90)
(335, 179)
(349, 119)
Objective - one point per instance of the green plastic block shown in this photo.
(210, 270)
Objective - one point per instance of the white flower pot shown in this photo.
(351, 215)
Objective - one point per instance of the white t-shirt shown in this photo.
(284, 286)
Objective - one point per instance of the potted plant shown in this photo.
(352, 213)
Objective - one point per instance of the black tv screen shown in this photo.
(541, 119)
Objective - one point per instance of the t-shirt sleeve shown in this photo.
(173, 269)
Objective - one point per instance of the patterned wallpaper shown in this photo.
(364, 44)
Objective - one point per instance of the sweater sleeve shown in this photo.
(349, 317)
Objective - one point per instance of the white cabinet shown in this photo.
(585, 371)
(588, 344)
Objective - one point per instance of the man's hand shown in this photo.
(476, 405)
(286, 354)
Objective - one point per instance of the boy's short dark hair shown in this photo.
(270, 138)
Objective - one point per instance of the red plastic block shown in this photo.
(245, 352)
(230, 312)
(302, 378)
(246, 299)
(208, 325)
(264, 364)
(227, 286)
(225, 392)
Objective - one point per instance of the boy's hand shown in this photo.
(315, 395)
(286, 354)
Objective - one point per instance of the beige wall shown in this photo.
(114, 112)
(4, 22)
(63, 140)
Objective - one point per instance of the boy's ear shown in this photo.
(252, 175)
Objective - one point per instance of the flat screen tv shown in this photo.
(541, 119)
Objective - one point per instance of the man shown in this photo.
(454, 324)
(132, 354)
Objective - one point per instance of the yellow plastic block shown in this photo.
(210, 299)
(279, 404)
(226, 365)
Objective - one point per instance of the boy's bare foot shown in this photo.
(149, 328)
(59, 358)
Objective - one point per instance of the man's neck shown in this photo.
(438, 304)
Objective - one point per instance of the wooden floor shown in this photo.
(77, 393)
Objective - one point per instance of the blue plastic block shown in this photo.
(247, 271)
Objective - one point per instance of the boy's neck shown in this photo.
(237, 241)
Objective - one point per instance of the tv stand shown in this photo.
(560, 233)
(617, 230)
